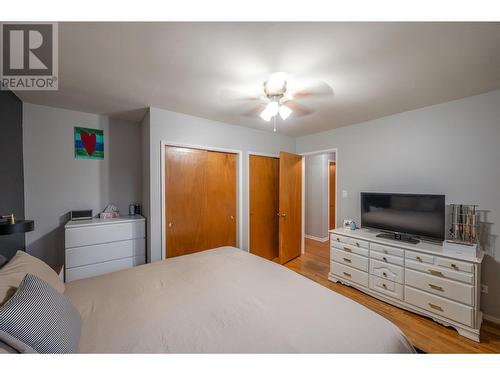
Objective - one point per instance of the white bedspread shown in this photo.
(224, 301)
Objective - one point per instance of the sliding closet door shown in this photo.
(290, 204)
(186, 200)
(264, 206)
(200, 200)
(221, 200)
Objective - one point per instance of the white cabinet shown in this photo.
(417, 277)
(98, 246)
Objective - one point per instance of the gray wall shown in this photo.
(316, 194)
(56, 182)
(179, 128)
(11, 166)
(451, 148)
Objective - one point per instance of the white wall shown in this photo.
(56, 182)
(316, 194)
(173, 127)
(451, 148)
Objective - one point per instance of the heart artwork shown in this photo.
(89, 142)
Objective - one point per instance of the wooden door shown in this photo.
(332, 176)
(200, 200)
(264, 206)
(186, 200)
(221, 200)
(290, 204)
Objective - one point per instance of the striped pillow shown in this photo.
(41, 317)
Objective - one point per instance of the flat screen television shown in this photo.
(404, 215)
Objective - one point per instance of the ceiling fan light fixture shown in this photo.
(266, 116)
(273, 108)
(284, 112)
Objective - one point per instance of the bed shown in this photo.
(223, 300)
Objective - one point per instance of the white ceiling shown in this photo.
(375, 69)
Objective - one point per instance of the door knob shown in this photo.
(232, 217)
(283, 215)
(170, 225)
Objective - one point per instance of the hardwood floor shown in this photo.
(423, 333)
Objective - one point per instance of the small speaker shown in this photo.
(81, 215)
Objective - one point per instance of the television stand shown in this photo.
(398, 237)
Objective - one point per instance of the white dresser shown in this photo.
(98, 246)
(419, 278)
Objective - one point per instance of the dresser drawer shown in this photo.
(349, 240)
(349, 248)
(386, 287)
(419, 257)
(440, 306)
(455, 265)
(387, 271)
(386, 258)
(98, 234)
(349, 273)
(440, 271)
(349, 259)
(85, 255)
(102, 268)
(437, 285)
(387, 249)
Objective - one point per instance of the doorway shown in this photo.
(319, 198)
(275, 209)
(332, 182)
(200, 200)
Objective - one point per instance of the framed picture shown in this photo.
(89, 143)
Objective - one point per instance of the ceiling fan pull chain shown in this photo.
(274, 118)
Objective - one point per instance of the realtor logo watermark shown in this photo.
(29, 56)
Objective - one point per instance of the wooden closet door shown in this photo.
(264, 206)
(290, 203)
(220, 218)
(186, 200)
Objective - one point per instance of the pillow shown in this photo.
(40, 317)
(16, 269)
(6, 255)
(12, 345)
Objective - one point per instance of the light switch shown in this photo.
(344, 193)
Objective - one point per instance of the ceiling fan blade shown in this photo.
(233, 95)
(255, 111)
(299, 110)
(316, 88)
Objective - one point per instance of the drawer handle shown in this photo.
(347, 274)
(436, 287)
(347, 260)
(418, 258)
(385, 259)
(357, 244)
(338, 239)
(436, 273)
(384, 273)
(454, 266)
(385, 286)
(435, 307)
(347, 249)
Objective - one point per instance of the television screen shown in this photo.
(421, 215)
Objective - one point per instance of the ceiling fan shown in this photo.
(280, 98)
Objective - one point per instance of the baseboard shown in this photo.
(491, 318)
(324, 239)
